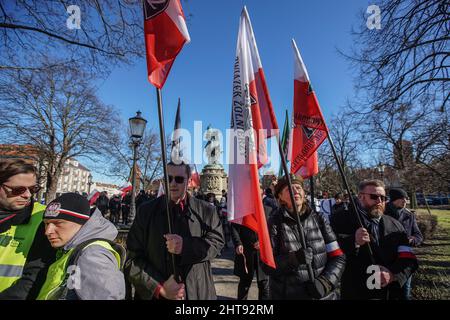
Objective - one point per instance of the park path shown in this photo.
(225, 281)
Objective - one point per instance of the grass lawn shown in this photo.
(432, 280)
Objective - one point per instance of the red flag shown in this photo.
(309, 128)
(310, 168)
(251, 111)
(195, 178)
(93, 196)
(124, 190)
(165, 34)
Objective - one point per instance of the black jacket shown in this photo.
(246, 237)
(40, 257)
(408, 221)
(288, 280)
(149, 261)
(392, 240)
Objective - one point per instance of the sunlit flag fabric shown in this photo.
(125, 189)
(160, 189)
(93, 196)
(195, 178)
(250, 98)
(165, 33)
(309, 128)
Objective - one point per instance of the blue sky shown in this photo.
(202, 73)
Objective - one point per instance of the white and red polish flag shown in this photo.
(251, 112)
(165, 33)
(309, 127)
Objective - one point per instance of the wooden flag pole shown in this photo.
(166, 177)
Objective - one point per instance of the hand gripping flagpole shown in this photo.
(294, 205)
(352, 201)
(166, 177)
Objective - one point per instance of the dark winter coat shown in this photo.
(389, 252)
(408, 221)
(247, 238)
(289, 279)
(149, 261)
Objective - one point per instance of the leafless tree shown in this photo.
(407, 59)
(58, 112)
(109, 32)
(149, 160)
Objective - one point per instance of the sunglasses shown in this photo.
(17, 191)
(178, 179)
(376, 196)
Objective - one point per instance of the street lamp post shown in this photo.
(137, 128)
(89, 183)
(381, 168)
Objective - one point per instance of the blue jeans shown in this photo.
(407, 289)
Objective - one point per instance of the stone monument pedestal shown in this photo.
(213, 180)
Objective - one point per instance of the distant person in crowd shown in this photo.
(269, 199)
(326, 205)
(141, 198)
(247, 262)
(393, 260)
(126, 208)
(341, 202)
(25, 253)
(114, 208)
(196, 239)
(396, 208)
(290, 279)
(102, 203)
(89, 262)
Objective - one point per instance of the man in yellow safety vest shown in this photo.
(25, 253)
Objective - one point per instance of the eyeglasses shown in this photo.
(178, 179)
(17, 191)
(376, 196)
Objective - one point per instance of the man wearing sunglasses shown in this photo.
(25, 254)
(383, 275)
(195, 240)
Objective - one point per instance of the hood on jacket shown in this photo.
(96, 227)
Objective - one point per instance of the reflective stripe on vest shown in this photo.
(15, 245)
(57, 279)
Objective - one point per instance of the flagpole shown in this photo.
(294, 206)
(311, 187)
(166, 177)
(352, 201)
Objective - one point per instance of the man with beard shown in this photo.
(25, 253)
(384, 274)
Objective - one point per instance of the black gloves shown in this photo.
(319, 288)
(299, 257)
(304, 256)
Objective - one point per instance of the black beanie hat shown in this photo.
(69, 206)
(283, 182)
(397, 193)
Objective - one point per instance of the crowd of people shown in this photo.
(67, 250)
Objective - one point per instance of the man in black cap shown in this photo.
(290, 279)
(89, 262)
(396, 208)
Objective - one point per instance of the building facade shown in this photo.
(74, 178)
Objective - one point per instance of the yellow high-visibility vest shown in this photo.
(15, 245)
